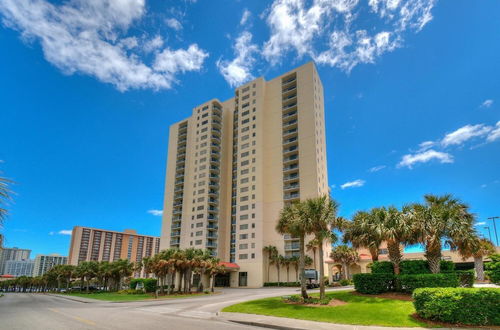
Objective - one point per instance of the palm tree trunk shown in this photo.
(314, 258)
(433, 256)
(213, 282)
(268, 268)
(395, 256)
(303, 287)
(278, 269)
(321, 271)
(374, 253)
(288, 275)
(345, 271)
(479, 267)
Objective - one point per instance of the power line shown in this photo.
(494, 227)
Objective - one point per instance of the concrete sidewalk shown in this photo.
(283, 323)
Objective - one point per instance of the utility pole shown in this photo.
(494, 227)
(489, 232)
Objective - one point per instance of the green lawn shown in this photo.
(114, 296)
(359, 310)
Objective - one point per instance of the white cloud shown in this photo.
(376, 168)
(174, 24)
(157, 213)
(426, 145)
(153, 44)
(480, 223)
(487, 104)
(245, 17)
(423, 157)
(465, 133)
(494, 134)
(326, 30)
(237, 71)
(65, 232)
(353, 184)
(89, 37)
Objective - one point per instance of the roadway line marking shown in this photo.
(73, 317)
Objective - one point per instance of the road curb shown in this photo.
(69, 298)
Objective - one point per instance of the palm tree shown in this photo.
(5, 197)
(294, 260)
(277, 261)
(477, 248)
(440, 217)
(291, 222)
(214, 269)
(321, 215)
(396, 231)
(312, 245)
(365, 231)
(346, 256)
(286, 262)
(271, 251)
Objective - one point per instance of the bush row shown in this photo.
(458, 305)
(282, 284)
(379, 283)
(149, 284)
(410, 267)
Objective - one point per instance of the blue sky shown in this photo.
(89, 89)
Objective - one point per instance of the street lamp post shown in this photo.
(489, 232)
(494, 227)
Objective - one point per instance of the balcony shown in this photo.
(212, 235)
(176, 219)
(212, 218)
(175, 226)
(290, 123)
(290, 114)
(177, 212)
(290, 167)
(290, 140)
(180, 175)
(289, 97)
(212, 201)
(289, 106)
(288, 89)
(178, 196)
(290, 158)
(289, 80)
(179, 168)
(175, 234)
(179, 182)
(290, 177)
(291, 196)
(291, 186)
(211, 245)
(212, 226)
(288, 237)
(290, 132)
(290, 149)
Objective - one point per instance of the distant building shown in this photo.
(14, 253)
(19, 267)
(45, 262)
(92, 244)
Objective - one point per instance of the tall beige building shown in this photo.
(92, 244)
(233, 165)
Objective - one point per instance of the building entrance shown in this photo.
(222, 280)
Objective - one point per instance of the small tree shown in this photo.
(346, 256)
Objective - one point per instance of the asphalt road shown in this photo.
(21, 311)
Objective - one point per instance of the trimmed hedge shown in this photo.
(286, 284)
(148, 283)
(493, 268)
(471, 306)
(373, 283)
(466, 278)
(408, 283)
(412, 267)
(382, 267)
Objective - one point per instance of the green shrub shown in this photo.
(459, 305)
(411, 267)
(384, 267)
(345, 282)
(373, 283)
(408, 283)
(465, 278)
(493, 268)
(447, 266)
(148, 283)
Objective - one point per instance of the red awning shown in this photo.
(7, 276)
(229, 264)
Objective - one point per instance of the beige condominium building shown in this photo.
(92, 244)
(233, 165)
(45, 262)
